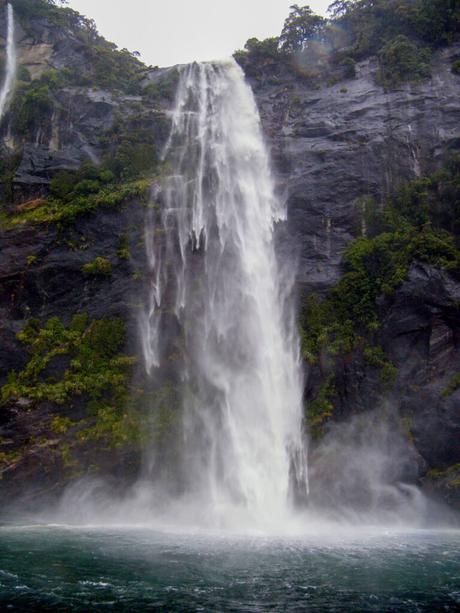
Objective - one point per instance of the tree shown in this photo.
(339, 8)
(300, 27)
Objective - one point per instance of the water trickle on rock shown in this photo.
(10, 74)
(213, 264)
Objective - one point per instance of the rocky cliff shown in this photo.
(335, 145)
(79, 154)
(334, 148)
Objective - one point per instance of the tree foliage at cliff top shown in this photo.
(401, 32)
(100, 63)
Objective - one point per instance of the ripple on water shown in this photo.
(72, 569)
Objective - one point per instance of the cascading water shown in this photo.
(212, 260)
(10, 62)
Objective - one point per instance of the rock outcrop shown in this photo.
(334, 146)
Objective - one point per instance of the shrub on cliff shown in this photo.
(96, 62)
(403, 60)
(420, 223)
(402, 33)
(98, 267)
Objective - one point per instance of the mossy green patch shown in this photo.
(453, 386)
(321, 408)
(451, 475)
(54, 210)
(98, 267)
(83, 359)
(375, 356)
(95, 365)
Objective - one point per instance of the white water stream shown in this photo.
(212, 260)
(10, 73)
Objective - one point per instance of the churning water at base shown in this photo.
(58, 568)
(214, 269)
(10, 62)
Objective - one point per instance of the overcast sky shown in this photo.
(168, 32)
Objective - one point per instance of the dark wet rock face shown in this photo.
(421, 334)
(334, 146)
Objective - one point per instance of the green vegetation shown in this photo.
(96, 365)
(8, 167)
(300, 28)
(23, 74)
(98, 267)
(260, 57)
(450, 474)
(453, 386)
(8, 457)
(31, 259)
(66, 210)
(320, 409)
(375, 356)
(130, 149)
(105, 66)
(32, 106)
(420, 223)
(163, 89)
(84, 360)
(61, 425)
(456, 66)
(123, 248)
(349, 67)
(403, 60)
(402, 33)
(84, 363)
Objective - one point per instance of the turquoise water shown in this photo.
(55, 568)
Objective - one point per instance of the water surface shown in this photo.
(59, 568)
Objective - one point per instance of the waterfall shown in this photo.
(215, 271)
(10, 62)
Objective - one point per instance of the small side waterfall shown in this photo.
(214, 269)
(10, 62)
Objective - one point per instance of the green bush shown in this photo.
(94, 368)
(402, 60)
(23, 74)
(32, 107)
(123, 248)
(162, 89)
(261, 58)
(68, 209)
(63, 184)
(456, 66)
(321, 408)
(98, 267)
(87, 187)
(375, 356)
(107, 66)
(349, 67)
(413, 226)
(131, 149)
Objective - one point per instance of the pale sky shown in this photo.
(168, 32)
